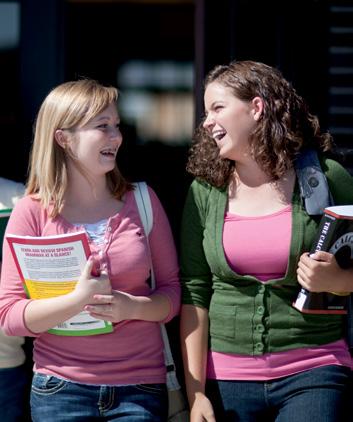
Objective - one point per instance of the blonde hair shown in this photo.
(68, 106)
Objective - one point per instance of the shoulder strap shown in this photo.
(313, 184)
(144, 206)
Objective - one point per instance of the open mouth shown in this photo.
(108, 152)
(217, 135)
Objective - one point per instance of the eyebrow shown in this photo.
(98, 119)
(216, 102)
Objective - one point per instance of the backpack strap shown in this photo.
(313, 185)
(144, 206)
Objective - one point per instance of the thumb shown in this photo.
(86, 273)
(321, 256)
(103, 272)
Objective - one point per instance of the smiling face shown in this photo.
(94, 146)
(230, 121)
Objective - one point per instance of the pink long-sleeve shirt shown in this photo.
(133, 352)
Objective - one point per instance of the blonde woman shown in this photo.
(74, 184)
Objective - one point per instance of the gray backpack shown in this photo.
(313, 184)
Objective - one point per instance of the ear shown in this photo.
(61, 138)
(257, 107)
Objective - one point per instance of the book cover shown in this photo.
(50, 266)
(4, 218)
(335, 235)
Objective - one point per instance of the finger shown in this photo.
(86, 273)
(99, 309)
(304, 265)
(322, 256)
(306, 259)
(103, 275)
(302, 282)
(301, 275)
(96, 272)
(103, 298)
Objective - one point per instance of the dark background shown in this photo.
(310, 41)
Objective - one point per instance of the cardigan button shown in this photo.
(259, 347)
(260, 328)
(260, 310)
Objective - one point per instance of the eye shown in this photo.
(102, 126)
(218, 107)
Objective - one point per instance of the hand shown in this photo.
(319, 272)
(202, 410)
(115, 307)
(88, 286)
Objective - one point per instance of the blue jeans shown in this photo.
(12, 393)
(57, 400)
(318, 395)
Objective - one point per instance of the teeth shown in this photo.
(218, 134)
(108, 151)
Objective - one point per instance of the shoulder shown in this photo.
(145, 196)
(29, 202)
(27, 216)
(10, 192)
(339, 179)
(334, 170)
(203, 193)
(27, 206)
(140, 187)
(330, 165)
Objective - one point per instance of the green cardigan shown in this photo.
(247, 316)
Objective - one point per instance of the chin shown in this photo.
(225, 154)
(108, 166)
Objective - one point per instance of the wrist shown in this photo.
(137, 307)
(344, 283)
(77, 299)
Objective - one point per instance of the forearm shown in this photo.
(120, 306)
(151, 308)
(194, 338)
(43, 314)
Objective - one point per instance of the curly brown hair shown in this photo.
(285, 127)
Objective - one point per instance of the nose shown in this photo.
(208, 121)
(115, 134)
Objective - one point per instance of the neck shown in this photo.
(250, 174)
(84, 191)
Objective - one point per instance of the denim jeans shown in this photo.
(12, 393)
(318, 395)
(57, 400)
